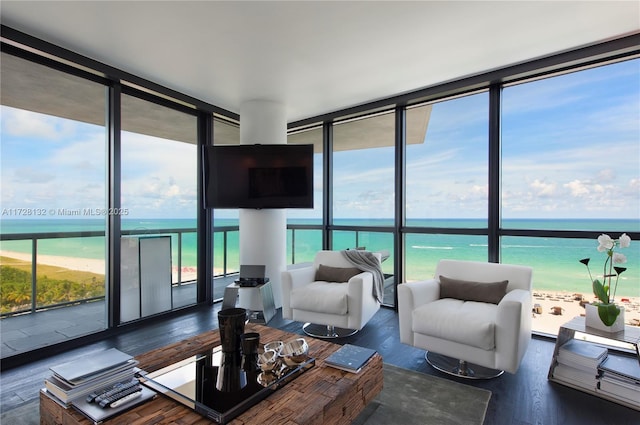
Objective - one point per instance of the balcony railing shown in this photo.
(36, 237)
(178, 232)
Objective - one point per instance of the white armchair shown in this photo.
(331, 296)
(468, 319)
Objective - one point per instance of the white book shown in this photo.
(580, 352)
(615, 380)
(68, 394)
(628, 395)
(575, 376)
(592, 368)
(91, 366)
(623, 367)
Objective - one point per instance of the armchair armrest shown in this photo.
(291, 279)
(410, 296)
(362, 304)
(360, 286)
(513, 328)
(419, 293)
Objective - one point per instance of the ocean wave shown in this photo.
(529, 246)
(484, 245)
(431, 247)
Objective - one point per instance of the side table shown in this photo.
(630, 335)
(259, 301)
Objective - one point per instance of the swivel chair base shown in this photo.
(460, 368)
(326, 331)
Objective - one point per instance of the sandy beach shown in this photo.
(551, 309)
(86, 264)
(557, 308)
(73, 263)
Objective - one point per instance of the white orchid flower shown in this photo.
(605, 243)
(625, 241)
(619, 258)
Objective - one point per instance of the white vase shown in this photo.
(592, 320)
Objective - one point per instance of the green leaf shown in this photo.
(600, 291)
(608, 313)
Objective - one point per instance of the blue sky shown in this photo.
(571, 148)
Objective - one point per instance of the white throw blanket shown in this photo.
(366, 261)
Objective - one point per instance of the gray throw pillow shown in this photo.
(336, 274)
(486, 292)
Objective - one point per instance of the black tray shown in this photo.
(192, 382)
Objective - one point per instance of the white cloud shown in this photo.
(30, 175)
(22, 123)
(543, 189)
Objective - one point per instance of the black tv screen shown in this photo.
(258, 176)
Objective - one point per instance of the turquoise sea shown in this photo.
(555, 261)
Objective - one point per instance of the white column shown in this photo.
(263, 233)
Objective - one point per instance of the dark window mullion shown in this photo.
(495, 95)
(114, 184)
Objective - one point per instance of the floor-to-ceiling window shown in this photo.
(159, 190)
(571, 162)
(364, 189)
(446, 183)
(304, 236)
(53, 189)
(226, 236)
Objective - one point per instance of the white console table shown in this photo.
(630, 335)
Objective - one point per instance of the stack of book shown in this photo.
(578, 363)
(73, 382)
(620, 378)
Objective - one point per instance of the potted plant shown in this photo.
(609, 313)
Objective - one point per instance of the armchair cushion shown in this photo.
(487, 292)
(336, 274)
(321, 297)
(467, 322)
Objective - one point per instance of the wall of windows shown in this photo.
(568, 169)
(415, 175)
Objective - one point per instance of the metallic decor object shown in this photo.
(280, 359)
(296, 351)
(275, 346)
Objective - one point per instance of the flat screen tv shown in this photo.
(258, 176)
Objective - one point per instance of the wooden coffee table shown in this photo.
(323, 395)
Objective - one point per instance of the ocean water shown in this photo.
(555, 261)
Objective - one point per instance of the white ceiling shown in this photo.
(316, 57)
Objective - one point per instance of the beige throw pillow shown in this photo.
(486, 292)
(336, 274)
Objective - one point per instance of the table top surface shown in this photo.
(322, 392)
(630, 334)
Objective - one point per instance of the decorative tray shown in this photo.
(192, 382)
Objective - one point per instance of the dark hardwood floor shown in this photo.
(524, 398)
